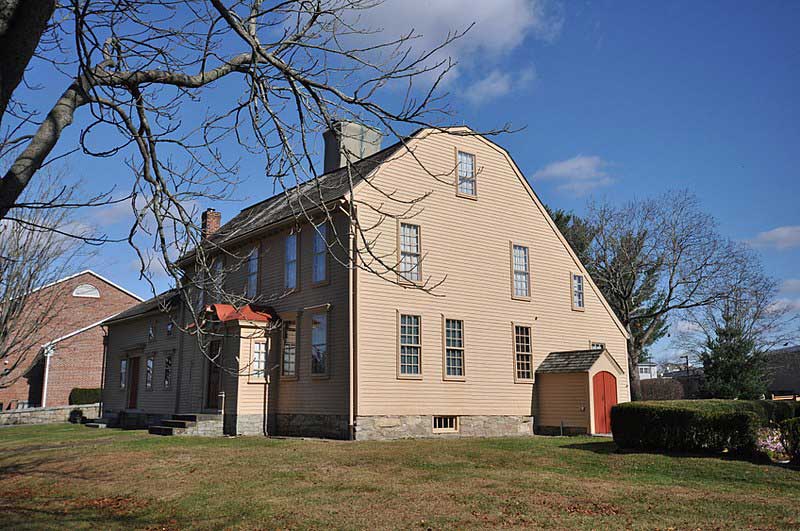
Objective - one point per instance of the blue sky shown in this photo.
(618, 99)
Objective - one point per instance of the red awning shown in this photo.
(249, 312)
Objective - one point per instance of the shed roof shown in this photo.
(570, 361)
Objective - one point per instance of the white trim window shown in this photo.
(577, 292)
(150, 364)
(258, 370)
(454, 348)
(319, 344)
(320, 263)
(410, 252)
(523, 354)
(290, 265)
(598, 346)
(123, 373)
(167, 371)
(466, 174)
(289, 362)
(522, 284)
(251, 282)
(410, 345)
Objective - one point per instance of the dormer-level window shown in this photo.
(410, 253)
(466, 174)
(86, 290)
(320, 263)
(577, 292)
(290, 265)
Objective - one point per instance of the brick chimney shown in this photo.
(349, 140)
(210, 223)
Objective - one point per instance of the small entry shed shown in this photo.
(575, 391)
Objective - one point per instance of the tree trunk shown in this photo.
(22, 23)
(633, 368)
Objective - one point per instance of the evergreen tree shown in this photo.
(733, 366)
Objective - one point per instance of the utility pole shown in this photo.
(686, 357)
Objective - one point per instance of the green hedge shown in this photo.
(790, 438)
(769, 412)
(686, 426)
(84, 396)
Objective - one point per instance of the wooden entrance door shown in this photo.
(605, 396)
(133, 383)
(214, 376)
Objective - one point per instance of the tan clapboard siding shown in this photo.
(122, 337)
(567, 397)
(468, 241)
(251, 393)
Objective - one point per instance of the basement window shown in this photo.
(442, 424)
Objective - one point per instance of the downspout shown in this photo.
(351, 324)
(103, 370)
(48, 351)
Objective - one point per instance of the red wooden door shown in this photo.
(604, 385)
(133, 392)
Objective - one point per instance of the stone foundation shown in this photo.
(307, 425)
(46, 415)
(416, 426)
(244, 424)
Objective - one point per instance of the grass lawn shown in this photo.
(70, 476)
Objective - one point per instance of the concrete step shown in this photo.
(98, 425)
(197, 417)
(178, 423)
(165, 430)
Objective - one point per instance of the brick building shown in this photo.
(68, 351)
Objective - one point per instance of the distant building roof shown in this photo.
(784, 370)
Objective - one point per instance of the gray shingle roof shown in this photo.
(570, 361)
(295, 201)
(161, 301)
(784, 370)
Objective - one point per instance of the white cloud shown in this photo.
(500, 26)
(785, 237)
(786, 303)
(791, 285)
(113, 213)
(498, 84)
(578, 175)
(687, 327)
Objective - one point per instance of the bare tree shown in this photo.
(655, 258)
(142, 73)
(36, 249)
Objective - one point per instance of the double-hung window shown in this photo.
(320, 264)
(289, 361)
(251, 281)
(167, 371)
(148, 373)
(319, 344)
(258, 370)
(410, 362)
(577, 292)
(466, 174)
(521, 270)
(523, 355)
(453, 348)
(410, 253)
(290, 265)
(123, 373)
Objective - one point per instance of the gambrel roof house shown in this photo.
(514, 338)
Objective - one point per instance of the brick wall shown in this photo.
(77, 361)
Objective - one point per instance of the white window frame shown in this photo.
(517, 272)
(319, 259)
(285, 374)
(445, 424)
(451, 349)
(409, 348)
(290, 264)
(319, 338)
(259, 352)
(597, 345)
(577, 291)
(411, 273)
(465, 178)
(521, 352)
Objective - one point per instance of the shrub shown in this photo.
(683, 426)
(84, 396)
(661, 389)
(790, 438)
